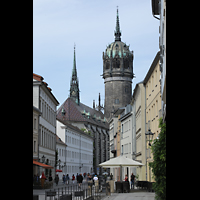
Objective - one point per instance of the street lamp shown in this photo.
(59, 161)
(43, 159)
(150, 135)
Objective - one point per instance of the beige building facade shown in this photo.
(138, 104)
(153, 108)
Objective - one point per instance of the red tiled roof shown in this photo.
(40, 78)
(37, 77)
(73, 112)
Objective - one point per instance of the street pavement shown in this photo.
(134, 194)
(139, 195)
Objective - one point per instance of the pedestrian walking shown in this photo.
(56, 179)
(132, 180)
(67, 177)
(77, 177)
(64, 178)
(80, 179)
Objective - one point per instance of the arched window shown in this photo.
(116, 63)
(126, 63)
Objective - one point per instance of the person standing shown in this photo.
(95, 181)
(73, 178)
(132, 180)
(80, 180)
(126, 178)
(111, 176)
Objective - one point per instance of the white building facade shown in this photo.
(79, 150)
(44, 100)
(61, 148)
(128, 140)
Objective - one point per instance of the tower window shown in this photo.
(107, 65)
(116, 63)
(126, 89)
(116, 101)
(126, 63)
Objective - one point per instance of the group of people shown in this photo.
(66, 178)
(132, 180)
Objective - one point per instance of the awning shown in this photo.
(42, 165)
(58, 170)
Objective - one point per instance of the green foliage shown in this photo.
(86, 131)
(159, 164)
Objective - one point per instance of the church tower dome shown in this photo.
(117, 73)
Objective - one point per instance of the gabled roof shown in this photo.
(59, 141)
(153, 65)
(81, 113)
(37, 77)
(42, 83)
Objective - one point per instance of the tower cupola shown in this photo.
(117, 72)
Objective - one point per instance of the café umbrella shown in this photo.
(120, 161)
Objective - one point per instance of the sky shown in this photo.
(59, 24)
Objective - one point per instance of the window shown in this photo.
(116, 101)
(122, 149)
(107, 65)
(34, 123)
(127, 89)
(34, 146)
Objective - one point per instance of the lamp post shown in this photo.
(59, 161)
(43, 159)
(150, 134)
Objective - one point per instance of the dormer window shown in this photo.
(63, 111)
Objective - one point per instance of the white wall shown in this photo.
(79, 150)
(36, 96)
(61, 156)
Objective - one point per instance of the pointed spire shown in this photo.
(74, 73)
(93, 104)
(117, 29)
(74, 83)
(99, 101)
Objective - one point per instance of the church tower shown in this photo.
(74, 83)
(117, 73)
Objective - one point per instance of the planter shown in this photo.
(119, 186)
(42, 182)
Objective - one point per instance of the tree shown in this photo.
(159, 164)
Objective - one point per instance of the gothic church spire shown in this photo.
(74, 84)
